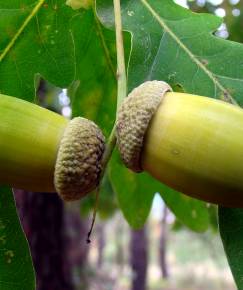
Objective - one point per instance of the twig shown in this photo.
(121, 68)
(121, 94)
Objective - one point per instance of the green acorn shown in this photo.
(191, 143)
(42, 151)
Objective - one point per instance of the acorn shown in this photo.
(43, 151)
(191, 143)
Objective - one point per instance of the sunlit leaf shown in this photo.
(191, 212)
(135, 195)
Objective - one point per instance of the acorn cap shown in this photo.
(78, 164)
(133, 119)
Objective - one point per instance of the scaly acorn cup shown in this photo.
(42, 151)
(191, 143)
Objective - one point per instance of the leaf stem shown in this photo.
(121, 68)
(121, 80)
(21, 29)
(121, 94)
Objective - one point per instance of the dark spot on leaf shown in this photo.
(226, 96)
(204, 61)
(177, 88)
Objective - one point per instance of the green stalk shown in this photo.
(121, 94)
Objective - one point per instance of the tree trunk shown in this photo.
(139, 259)
(101, 243)
(78, 249)
(163, 244)
(42, 215)
(120, 256)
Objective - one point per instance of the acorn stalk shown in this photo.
(191, 143)
(34, 155)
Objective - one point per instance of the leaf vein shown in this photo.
(225, 96)
(21, 29)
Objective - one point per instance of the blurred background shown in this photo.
(163, 255)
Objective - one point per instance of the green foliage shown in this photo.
(189, 211)
(173, 44)
(44, 47)
(107, 201)
(95, 66)
(70, 48)
(16, 269)
(135, 192)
